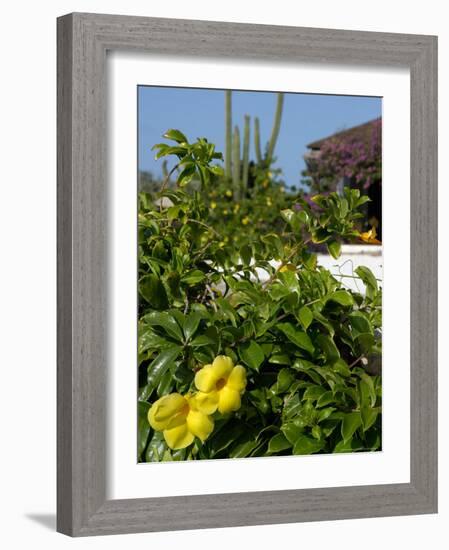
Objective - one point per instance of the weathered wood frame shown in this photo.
(83, 40)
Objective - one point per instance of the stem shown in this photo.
(356, 361)
(165, 183)
(284, 263)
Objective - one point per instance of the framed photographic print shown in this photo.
(246, 274)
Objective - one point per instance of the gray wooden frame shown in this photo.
(83, 40)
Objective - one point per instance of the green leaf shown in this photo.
(292, 431)
(298, 337)
(368, 278)
(156, 448)
(367, 390)
(252, 354)
(148, 339)
(227, 435)
(313, 393)
(328, 347)
(369, 416)
(275, 245)
(305, 316)
(351, 422)
(193, 277)
(360, 322)
(326, 398)
(284, 380)
(166, 321)
(166, 383)
(278, 443)
(143, 427)
(153, 291)
(243, 449)
(186, 175)
(157, 368)
(334, 248)
(365, 341)
(202, 340)
(306, 445)
(280, 359)
(246, 254)
(349, 446)
(175, 135)
(342, 297)
(191, 325)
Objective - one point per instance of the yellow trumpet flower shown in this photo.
(180, 418)
(370, 236)
(287, 267)
(220, 386)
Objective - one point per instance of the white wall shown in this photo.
(27, 300)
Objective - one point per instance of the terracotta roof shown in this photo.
(361, 132)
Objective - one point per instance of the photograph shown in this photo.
(259, 274)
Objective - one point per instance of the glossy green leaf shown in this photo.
(191, 324)
(305, 316)
(252, 354)
(342, 297)
(334, 248)
(278, 443)
(143, 427)
(368, 278)
(157, 368)
(193, 277)
(328, 347)
(306, 445)
(153, 291)
(298, 337)
(166, 321)
(351, 422)
(175, 135)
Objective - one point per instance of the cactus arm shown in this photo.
(257, 141)
(236, 162)
(276, 127)
(228, 137)
(246, 136)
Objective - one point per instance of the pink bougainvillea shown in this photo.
(353, 158)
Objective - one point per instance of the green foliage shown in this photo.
(306, 341)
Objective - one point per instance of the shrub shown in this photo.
(305, 342)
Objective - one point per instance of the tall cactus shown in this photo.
(236, 162)
(245, 169)
(257, 140)
(228, 124)
(276, 127)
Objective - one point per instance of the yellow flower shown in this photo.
(287, 267)
(370, 236)
(213, 205)
(245, 220)
(236, 207)
(225, 211)
(220, 386)
(180, 418)
(269, 203)
(228, 193)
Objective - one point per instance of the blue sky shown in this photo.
(200, 113)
